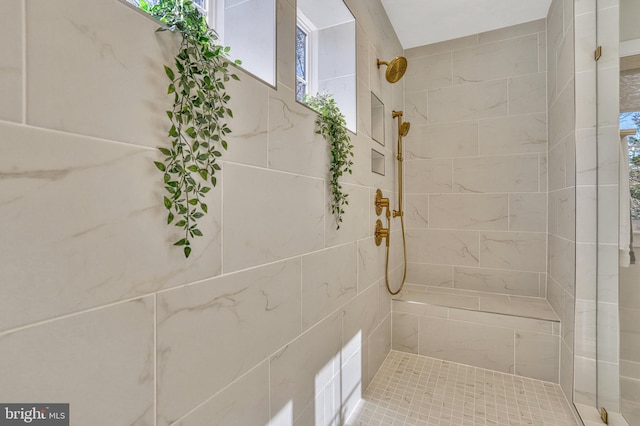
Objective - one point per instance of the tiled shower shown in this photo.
(277, 317)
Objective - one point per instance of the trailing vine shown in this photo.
(198, 117)
(332, 125)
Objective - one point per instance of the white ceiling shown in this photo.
(421, 22)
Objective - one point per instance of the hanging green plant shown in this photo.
(332, 125)
(198, 117)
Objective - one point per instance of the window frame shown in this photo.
(311, 54)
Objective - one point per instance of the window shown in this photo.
(631, 120)
(326, 54)
(248, 27)
(302, 48)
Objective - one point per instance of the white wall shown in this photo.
(476, 162)
(275, 317)
(562, 234)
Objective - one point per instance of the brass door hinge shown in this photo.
(598, 53)
(604, 415)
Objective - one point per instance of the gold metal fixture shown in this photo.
(381, 202)
(395, 68)
(403, 130)
(381, 233)
(604, 415)
(598, 53)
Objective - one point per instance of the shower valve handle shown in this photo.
(381, 233)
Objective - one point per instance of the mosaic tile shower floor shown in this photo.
(416, 390)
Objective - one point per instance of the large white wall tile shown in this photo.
(328, 281)
(270, 216)
(428, 72)
(427, 176)
(237, 320)
(359, 318)
(95, 361)
(11, 44)
(355, 223)
(430, 275)
(468, 101)
(74, 59)
(528, 212)
(562, 261)
(562, 115)
(513, 31)
(513, 250)
(293, 144)
(250, 105)
(514, 173)
(474, 344)
(537, 356)
(285, 43)
(501, 59)
(99, 222)
(379, 345)
(404, 332)
(304, 367)
(527, 94)
(469, 211)
(244, 402)
(442, 140)
(513, 134)
(417, 210)
(417, 108)
(497, 281)
(443, 247)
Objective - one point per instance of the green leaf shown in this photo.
(167, 203)
(204, 207)
(197, 232)
(171, 89)
(170, 218)
(181, 242)
(181, 223)
(193, 201)
(165, 151)
(191, 132)
(187, 251)
(169, 72)
(160, 166)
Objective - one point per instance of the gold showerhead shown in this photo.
(404, 128)
(395, 69)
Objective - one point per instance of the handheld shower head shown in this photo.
(395, 68)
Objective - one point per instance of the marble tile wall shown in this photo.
(523, 346)
(276, 318)
(476, 162)
(561, 257)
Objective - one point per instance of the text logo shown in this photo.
(34, 414)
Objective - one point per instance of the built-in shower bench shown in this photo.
(511, 334)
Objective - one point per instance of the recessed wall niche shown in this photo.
(377, 119)
(377, 162)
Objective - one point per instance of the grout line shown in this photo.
(155, 359)
(24, 61)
